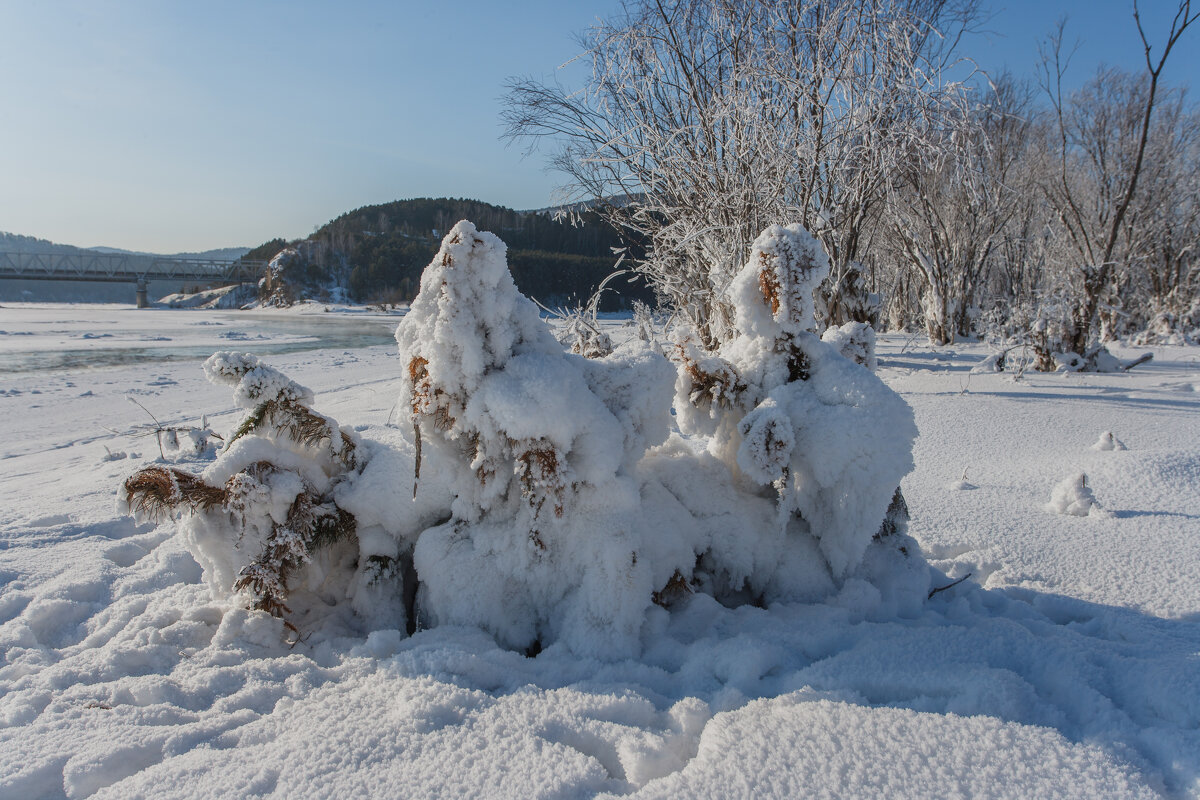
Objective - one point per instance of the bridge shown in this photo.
(127, 268)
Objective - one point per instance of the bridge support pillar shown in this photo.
(143, 299)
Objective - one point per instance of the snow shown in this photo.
(1074, 497)
(1065, 666)
(1108, 441)
(792, 413)
(855, 341)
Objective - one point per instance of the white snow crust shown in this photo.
(1065, 666)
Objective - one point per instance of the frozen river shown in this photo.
(51, 337)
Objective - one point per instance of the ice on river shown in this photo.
(55, 337)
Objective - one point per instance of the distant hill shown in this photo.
(219, 254)
(31, 244)
(376, 253)
(615, 201)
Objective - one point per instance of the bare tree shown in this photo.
(1102, 134)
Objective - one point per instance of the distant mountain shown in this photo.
(219, 254)
(375, 254)
(31, 244)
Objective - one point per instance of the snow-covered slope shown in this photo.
(1068, 665)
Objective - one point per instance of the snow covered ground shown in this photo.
(1067, 665)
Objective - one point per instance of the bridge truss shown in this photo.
(125, 268)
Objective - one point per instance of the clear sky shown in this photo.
(171, 126)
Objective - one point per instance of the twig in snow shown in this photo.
(1142, 359)
(932, 592)
(158, 429)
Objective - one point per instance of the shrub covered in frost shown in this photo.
(531, 452)
(261, 520)
(821, 431)
(544, 496)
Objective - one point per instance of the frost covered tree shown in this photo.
(711, 120)
(1159, 294)
(954, 199)
(940, 203)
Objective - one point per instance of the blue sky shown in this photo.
(171, 126)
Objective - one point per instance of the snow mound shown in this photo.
(1073, 497)
(1107, 442)
(855, 341)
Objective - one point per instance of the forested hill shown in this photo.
(376, 253)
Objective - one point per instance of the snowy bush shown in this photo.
(542, 495)
(1040, 335)
(261, 519)
(1175, 324)
(799, 419)
(538, 449)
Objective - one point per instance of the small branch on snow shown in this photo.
(1142, 359)
(932, 592)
